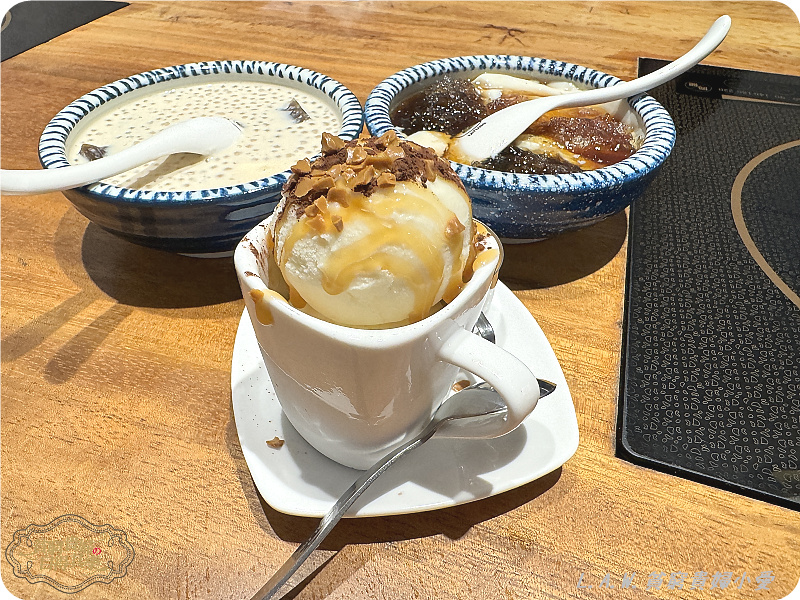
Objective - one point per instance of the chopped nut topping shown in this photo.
(338, 195)
(346, 177)
(460, 385)
(359, 167)
(336, 171)
(317, 222)
(395, 151)
(454, 228)
(322, 183)
(337, 222)
(356, 155)
(303, 187)
(364, 176)
(321, 203)
(386, 179)
(381, 160)
(312, 210)
(430, 171)
(302, 167)
(331, 143)
(387, 138)
(275, 442)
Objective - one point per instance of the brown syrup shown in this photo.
(449, 105)
(453, 105)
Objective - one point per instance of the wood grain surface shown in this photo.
(116, 399)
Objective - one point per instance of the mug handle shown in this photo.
(513, 380)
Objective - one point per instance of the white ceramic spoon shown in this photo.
(202, 135)
(497, 131)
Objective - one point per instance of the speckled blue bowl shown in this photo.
(202, 222)
(531, 207)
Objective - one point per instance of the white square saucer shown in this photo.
(296, 479)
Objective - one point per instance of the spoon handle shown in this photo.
(626, 89)
(336, 512)
(19, 182)
(202, 135)
(498, 130)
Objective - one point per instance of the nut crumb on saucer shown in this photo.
(460, 385)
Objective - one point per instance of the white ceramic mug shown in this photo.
(355, 394)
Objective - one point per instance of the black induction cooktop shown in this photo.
(710, 386)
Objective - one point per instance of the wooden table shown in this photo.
(116, 399)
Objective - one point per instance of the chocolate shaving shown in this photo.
(91, 152)
(296, 111)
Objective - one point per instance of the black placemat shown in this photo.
(710, 386)
(35, 22)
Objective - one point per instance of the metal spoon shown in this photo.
(484, 329)
(497, 131)
(202, 135)
(475, 403)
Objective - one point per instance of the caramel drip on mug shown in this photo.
(261, 299)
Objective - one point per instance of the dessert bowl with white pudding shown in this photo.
(189, 203)
(570, 169)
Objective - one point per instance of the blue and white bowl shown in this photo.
(200, 222)
(522, 207)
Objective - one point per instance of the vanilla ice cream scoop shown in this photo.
(376, 232)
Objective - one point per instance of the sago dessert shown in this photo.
(279, 124)
(376, 232)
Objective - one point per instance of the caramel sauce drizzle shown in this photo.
(486, 257)
(261, 299)
(388, 245)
